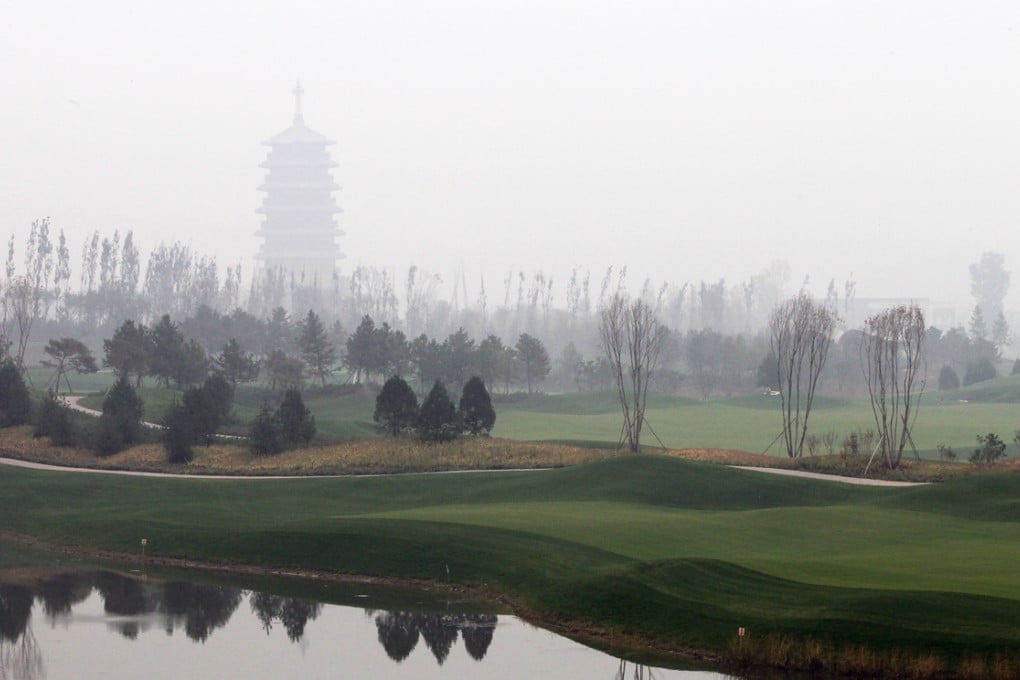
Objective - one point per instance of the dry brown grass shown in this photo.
(406, 454)
(724, 457)
(366, 456)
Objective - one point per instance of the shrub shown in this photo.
(990, 449)
(396, 406)
(219, 395)
(829, 440)
(264, 437)
(195, 420)
(948, 379)
(437, 421)
(946, 453)
(979, 371)
(179, 435)
(121, 422)
(296, 421)
(15, 403)
(850, 446)
(54, 421)
(476, 407)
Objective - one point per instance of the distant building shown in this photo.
(299, 231)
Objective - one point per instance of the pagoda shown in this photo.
(299, 229)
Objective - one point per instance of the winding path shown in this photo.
(862, 481)
(16, 462)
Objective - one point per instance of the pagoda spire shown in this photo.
(298, 92)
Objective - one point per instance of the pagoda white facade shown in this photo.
(299, 231)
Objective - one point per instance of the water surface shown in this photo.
(57, 624)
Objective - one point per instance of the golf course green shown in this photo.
(674, 553)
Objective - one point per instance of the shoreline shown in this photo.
(585, 632)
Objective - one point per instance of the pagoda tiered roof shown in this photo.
(299, 230)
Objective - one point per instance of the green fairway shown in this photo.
(751, 423)
(681, 551)
(748, 422)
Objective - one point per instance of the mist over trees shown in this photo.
(174, 314)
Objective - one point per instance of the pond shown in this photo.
(57, 623)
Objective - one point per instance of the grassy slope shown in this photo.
(675, 549)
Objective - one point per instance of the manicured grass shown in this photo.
(751, 423)
(745, 422)
(682, 552)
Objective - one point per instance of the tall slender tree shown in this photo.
(800, 332)
(632, 339)
(894, 367)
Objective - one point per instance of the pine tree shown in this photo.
(54, 421)
(296, 421)
(264, 438)
(15, 404)
(121, 422)
(316, 348)
(396, 406)
(236, 364)
(437, 420)
(476, 407)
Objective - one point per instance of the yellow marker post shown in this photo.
(145, 542)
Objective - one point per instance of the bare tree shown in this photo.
(893, 363)
(800, 332)
(632, 338)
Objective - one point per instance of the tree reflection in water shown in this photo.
(294, 614)
(19, 655)
(201, 608)
(636, 672)
(399, 631)
(135, 605)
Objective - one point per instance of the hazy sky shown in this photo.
(686, 140)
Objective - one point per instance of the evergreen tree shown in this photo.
(68, 354)
(128, 351)
(196, 418)
(120, 425)
(219, 395)
(167, 349)
(179, 435)
(316, 348)
(54, 421)
(979, 371)
(396, 406)
(948, 379)
(362, 348)
(192, 364)
(237, 365)
(264, 437)
(297, 425)
(15, 404)
(476, 409)
(437, 420)
(283, 371)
